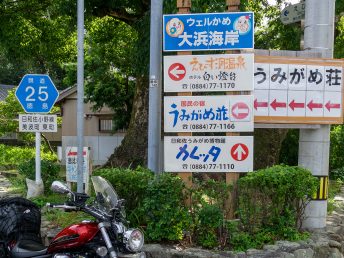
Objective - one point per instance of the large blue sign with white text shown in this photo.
(37, 93)
(208, 31)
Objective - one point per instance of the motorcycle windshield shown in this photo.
(106, 195)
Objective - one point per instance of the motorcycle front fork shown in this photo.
(102, 227)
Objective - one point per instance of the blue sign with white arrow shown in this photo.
(37, 93)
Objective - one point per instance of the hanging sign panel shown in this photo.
(207, 73)
(296, 90)
(208, 31)
(229, 113)
(208, 153)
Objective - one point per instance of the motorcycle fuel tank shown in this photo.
(73, 236)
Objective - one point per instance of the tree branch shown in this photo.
(48, 143)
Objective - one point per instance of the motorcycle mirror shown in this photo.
(59, 187)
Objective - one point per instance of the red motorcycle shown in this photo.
(106, 237)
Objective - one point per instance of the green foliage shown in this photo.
(275, 198)
(337, 174)
(130, 185)
(12, 156)
(337, 147)
(290, 148)
(333, 189)
(167, 216)
(49, 171)
(211, 219)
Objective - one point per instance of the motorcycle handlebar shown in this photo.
(61, 206)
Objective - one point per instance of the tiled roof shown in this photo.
(4, 91)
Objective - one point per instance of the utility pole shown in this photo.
(154, 111)
(80, 97)
(314, 144)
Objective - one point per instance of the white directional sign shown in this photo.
(229, 113)
(225, 72)
(208, 153)
(293, 13)
(72, 161)
(301, 91)
(37, 123)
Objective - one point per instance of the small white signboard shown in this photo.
(37, 123)
(208, 153)
(229, 113)
(72, 161)
(293, 13)
(195, 73)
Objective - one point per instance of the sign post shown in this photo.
(36, 94)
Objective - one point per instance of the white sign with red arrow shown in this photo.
(226, 113)
(208, 153)
(298, 90)
(200, 73)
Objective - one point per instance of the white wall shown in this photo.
(101, 146)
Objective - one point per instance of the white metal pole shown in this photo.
(154, 111)
(38, 158)
(80, 96)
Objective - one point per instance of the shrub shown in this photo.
(49, 171)
(130, 185)
(167, 217)
(275, 198)
(12, 156)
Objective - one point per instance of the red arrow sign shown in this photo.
(276, 104)
(259, 104)
(333, 105)
(240, 110)
(239, 152)
(294, 105)
(312, 105)
(176, 71)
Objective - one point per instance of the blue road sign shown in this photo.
(37, 93)
(208, 31)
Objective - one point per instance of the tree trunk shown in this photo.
(133, 149)
(267, 146)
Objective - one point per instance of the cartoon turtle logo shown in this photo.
(243, 24)
(174, 27)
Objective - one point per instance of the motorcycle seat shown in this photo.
(26, 248)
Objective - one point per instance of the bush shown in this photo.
(49, 171)
(167, 217)
(130, 185)
(275, 199)
(12, 156)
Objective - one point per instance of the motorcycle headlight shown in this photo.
(133, 239)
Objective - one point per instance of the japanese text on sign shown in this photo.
(208, 154)
(208, 31)
(37, 123)
(208, 113)
(226, 72)
(72, 162)
(298, 90)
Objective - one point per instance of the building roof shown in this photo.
(66, 92)
(4, 90)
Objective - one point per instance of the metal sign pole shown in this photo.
(38, 158)
(154, 116)
(80, 96)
